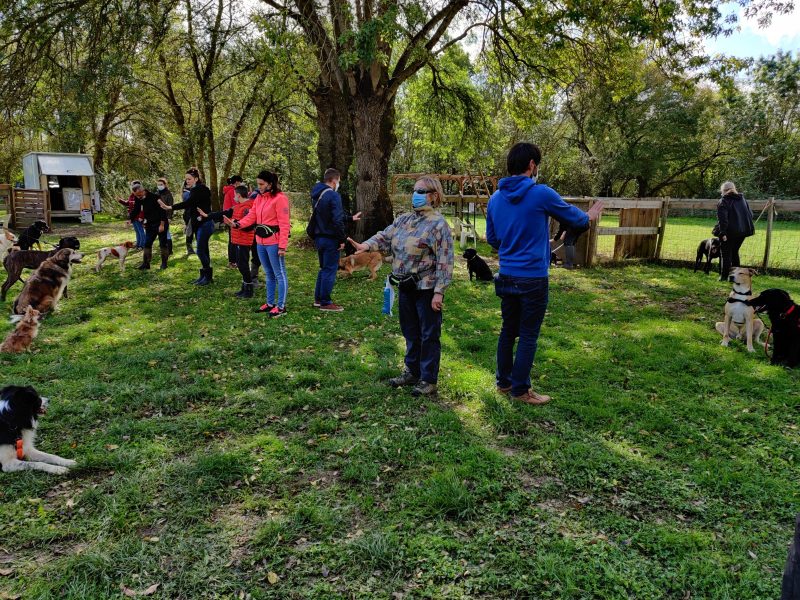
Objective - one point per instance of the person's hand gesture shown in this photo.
(595, 211)
(437, 301)
(162, 205)
(360, 248)
(281, 252)
(357, 216)
(230, 222)
(201, 213)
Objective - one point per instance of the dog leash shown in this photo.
(766, 343)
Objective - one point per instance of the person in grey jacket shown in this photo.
(735, 223)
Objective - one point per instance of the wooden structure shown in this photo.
(27, 206)
(69, 179)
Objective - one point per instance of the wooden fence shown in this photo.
(25, 206)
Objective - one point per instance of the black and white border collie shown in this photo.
(20, 408)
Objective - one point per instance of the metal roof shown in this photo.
(54, 164)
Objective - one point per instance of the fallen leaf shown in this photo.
(111, 446)
(151, 590)
(127, 591)
(752, 554)
(272, 577)
(6, 572)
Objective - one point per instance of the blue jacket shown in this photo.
(517, 224)
(329, 220)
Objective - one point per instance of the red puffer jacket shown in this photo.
(239, 236)
(228, 197)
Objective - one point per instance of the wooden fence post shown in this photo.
(591, 243)
(770, 213)
(662, 227)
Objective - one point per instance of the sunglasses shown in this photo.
(423, 191)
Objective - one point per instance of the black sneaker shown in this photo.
(404, 379)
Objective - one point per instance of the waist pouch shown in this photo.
(405, 283)
(265, 231)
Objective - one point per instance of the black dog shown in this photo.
(784, 315)
(707, 250)
(477, 266)
(31, 235)
(31, 259)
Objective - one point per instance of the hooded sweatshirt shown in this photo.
(517, 224)
(228, 196)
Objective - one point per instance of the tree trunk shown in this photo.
(335, 142)
(373, 119)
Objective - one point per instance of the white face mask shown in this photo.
(336, 187)
(161, 187)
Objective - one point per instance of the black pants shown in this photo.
(189, 233)
(151, 233)
(233, 251)
(729, 252)
(247, 261)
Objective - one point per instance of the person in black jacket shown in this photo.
(202, 227)
(329, 232)
(735, 222)
(570, 237)
(165, 193)
(156, 224)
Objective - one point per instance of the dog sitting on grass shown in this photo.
(740, 317)
(30, 237)
(23, 335)
(784, 315)
(477, 266)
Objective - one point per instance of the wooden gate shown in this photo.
(28, 206)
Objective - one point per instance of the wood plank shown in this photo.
(627, 230)
(622, 204)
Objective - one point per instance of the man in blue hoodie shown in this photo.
(518, 227)
(329, 231)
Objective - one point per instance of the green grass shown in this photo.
(216, 447)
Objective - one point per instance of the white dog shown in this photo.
(20, 408)
(7, 241)
(120, 252)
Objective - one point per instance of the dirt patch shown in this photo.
(533, 482)
(238, 526)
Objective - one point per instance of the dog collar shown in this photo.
(747, 293)
(732, 300)
(20, 451)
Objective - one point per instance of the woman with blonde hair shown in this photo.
(422, 267)
(734, 224)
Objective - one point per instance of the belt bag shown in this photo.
(405, 283)
(265, 231)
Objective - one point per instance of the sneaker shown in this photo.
(503, 390)
(331, 307)
(317, 304)
(265, 308)
(405, 378)
(423, 388)
(277, 312)
(531, 397)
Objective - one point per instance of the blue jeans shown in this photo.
(328, 251)
(275, 270)
(203, 234)
(422, 328)
(138, 228)
(523, 301)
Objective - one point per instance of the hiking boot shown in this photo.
(405, 378)
(331, 308)
(503, 390)
(240, 293)
(146, 257)
(248, 291)
(531, 397)
(207, 277)
(265, 308)
(277, 312)
(423, 388)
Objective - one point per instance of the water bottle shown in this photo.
(388, 298)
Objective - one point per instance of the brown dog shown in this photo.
(356, 262)
(15, 262)
(120, 252)
(740, 318)
(45, 287)
(7, 241)
(22, 337)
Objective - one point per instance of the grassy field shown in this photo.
(222, 455)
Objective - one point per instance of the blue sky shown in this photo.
(753, 41)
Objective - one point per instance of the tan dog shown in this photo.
(740, 319)
(356, 262)
(120, 252)
(45, 287)
(7, 241)
(22, 337)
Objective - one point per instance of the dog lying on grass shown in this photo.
(119, 252)
(23, 335)
(15, 262)
(45, 287)
(20, 408)
(707, 251)
(784, 315)
(740, 320)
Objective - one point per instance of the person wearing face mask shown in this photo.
(329, 230)
(518, 227)
(166, 196)
(422, 267)
(229, 200)
(134, 221)
(270, 215)
(155, 224)
(202, 227)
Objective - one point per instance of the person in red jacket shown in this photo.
(138, 225)
(270, 215)
(242, 239)
(228, 202)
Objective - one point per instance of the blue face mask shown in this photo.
(419, 200)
